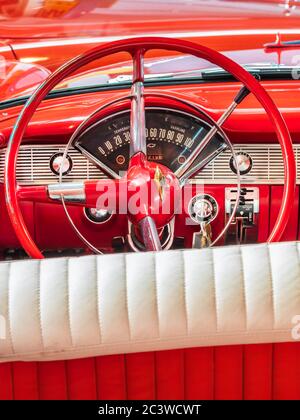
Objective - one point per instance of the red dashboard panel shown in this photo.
(52, 230)
(291, 231)
(61, 117)
(249, 123)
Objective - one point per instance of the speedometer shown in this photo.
(171, 138)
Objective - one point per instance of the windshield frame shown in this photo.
(216, 74)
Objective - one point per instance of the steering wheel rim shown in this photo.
(132, 46)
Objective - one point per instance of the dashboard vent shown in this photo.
(267, 166)
(33, 166)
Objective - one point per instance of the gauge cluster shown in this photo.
(171, 138)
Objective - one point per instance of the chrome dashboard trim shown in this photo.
(267, 166)
(33, 166)
(72, 192)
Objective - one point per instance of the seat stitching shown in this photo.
(185, 294)
(98, 305)
(244, 287)
(126, 297)
(214, 289)
(280, 333)
(298, 256)
(39, 304)
(156, 293)
(9, 327)
(272, 284)
(67, 266)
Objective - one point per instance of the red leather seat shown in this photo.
(268, 371)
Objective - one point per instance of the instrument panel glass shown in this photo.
(171, 138)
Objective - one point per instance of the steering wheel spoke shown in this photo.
(137, 115)
(186, 170)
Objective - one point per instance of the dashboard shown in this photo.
(171, 138)
(102, 151)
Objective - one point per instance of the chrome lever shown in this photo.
(150, 234)
(241, 95)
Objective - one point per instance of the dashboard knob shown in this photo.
(97, 215)
(203, 208)
(244, 161)
(56, 162)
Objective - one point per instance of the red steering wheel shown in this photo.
(140, 170)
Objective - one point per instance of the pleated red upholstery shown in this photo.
(268, 371)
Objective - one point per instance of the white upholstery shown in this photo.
(87, 306)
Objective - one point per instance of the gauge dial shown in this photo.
(203, 208)
(171, 138)
(244, 162)
(98, 216)
(56, 162)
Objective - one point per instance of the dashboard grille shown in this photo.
(33, 165)
(267, 165)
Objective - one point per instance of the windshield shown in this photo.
(266, 62)
(161, 70)
(45, 34)
(209, 73)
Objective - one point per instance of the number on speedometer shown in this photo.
(171, 138)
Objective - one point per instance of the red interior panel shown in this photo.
(263, 371)
(291, 231)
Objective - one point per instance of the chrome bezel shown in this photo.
(94, 221)
(203, 196)
(68, 158)
(245, 171)
(111, 172)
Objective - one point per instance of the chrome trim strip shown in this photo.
(33, 166)
(72, 192)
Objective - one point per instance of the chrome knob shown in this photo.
(244, 162)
